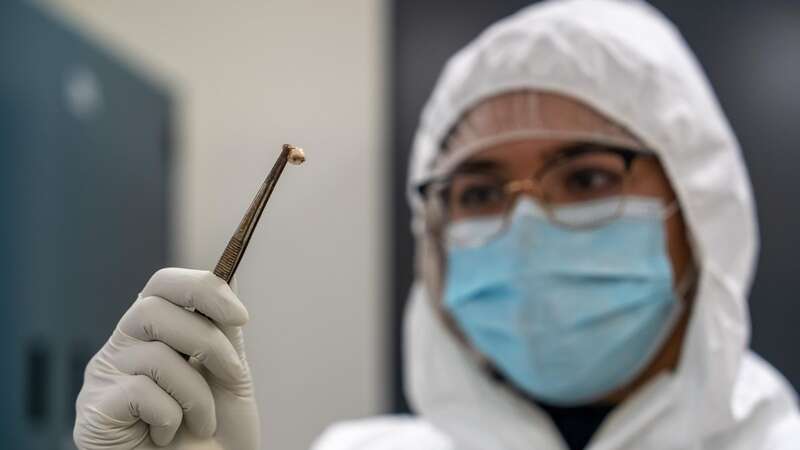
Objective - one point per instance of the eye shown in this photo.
(592, 181)
(480, 196)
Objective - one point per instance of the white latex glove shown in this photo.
(140, 391)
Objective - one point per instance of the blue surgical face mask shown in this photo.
(566, 315)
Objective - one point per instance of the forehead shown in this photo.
(518, 158)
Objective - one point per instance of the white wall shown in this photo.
(250, 76)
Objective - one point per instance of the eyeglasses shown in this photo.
(582, 175)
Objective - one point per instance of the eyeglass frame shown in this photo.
(525, 184)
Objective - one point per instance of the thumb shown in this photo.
(234, 333)
(234, 284)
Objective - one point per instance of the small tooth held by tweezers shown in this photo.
(296, 155)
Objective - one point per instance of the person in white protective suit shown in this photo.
(586, 242)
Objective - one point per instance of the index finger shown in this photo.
(198, 289)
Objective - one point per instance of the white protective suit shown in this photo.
(628, 62)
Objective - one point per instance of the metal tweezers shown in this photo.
(234, 251)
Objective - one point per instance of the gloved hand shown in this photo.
(170, 377)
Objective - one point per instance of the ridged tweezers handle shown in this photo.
(226, 265)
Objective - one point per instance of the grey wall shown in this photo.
(750, 51)
(249, 76)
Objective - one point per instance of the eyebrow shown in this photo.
(491, 166)
(479, 166)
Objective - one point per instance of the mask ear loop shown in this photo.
(687, 280)
(670, 210)
(684, 286)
